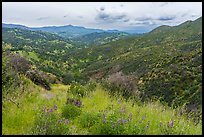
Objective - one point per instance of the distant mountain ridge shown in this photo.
(67, 31)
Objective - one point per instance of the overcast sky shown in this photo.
(140, 16)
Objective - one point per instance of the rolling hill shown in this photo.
(167, 62)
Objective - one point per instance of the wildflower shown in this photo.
(113, 125)
(148, 122)
(123, 109)
(160, 124)
(123, 121)
(171, 124)
(59, 121)
(55, 107)
(104, 121)
(50, 110)
(147, 126)
(66, 121)
(119, 102)
(130, 116)
(119, 121)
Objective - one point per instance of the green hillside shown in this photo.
(157, 75)
(99, 38)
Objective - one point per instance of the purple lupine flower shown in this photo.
(55, 107)
(59, 121)
(119, 122)
(104, 121)
(160, 124)
(66, 121)
(113, 125)
(171, 124)
(123, 109)
(147, 126)
(123, 121)
(148, 122)
(51, 110)
(119, 102)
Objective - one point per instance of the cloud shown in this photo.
(102, 8)
(121, 5)
(43, 18)
(126, 20)
(143, 18)
(102, 15)
(80, 17)
(167, 18)
(164, 4)
(110, 17)
(142, 23)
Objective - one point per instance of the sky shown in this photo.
(135, 16)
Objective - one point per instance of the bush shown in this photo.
(10, 77)
(70, 111)
(118, 82)
(19, 63)
(38, 79)
(90, 86)
(88, 119)
(49, 122)
(113, 122)
(77, 89)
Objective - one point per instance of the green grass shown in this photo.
(19, 120)
(90, 121)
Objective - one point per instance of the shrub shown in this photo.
(38, 79)
(49, 122)
(88, 119)
(10, 77)
(19, 63)
(118, 82)
(114, 122)
(77, 89)
(70, 111)
(90, 86)
(75, 102)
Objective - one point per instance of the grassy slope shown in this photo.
(19, 120)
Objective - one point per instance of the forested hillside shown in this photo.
(161, 69)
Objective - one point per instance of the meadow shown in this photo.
(61, 111)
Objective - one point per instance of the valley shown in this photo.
(74, 80)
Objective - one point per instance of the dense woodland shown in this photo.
(164, 65)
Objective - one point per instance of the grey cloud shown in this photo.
(143, 18)
(126, 20)
(143, 23)
(164, 3)
(43, 18)
(101, 16)
(102, 8)
(65, 16)
(80, 17)
(166, 18)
